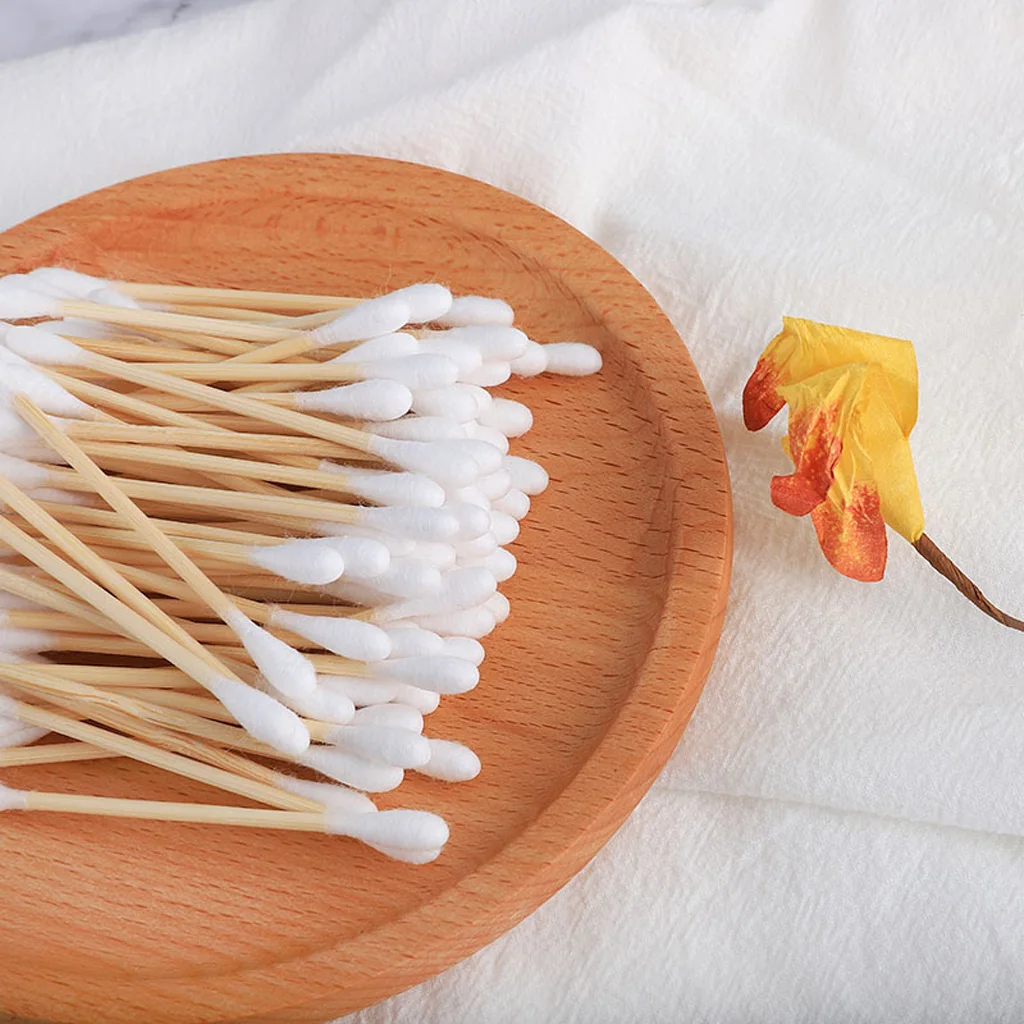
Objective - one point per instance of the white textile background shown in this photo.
(839, 835)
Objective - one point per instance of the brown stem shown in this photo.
(941, 562)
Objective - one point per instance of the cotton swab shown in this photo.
(253, 477)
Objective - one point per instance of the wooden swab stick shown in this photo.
(138, 751)
(282, 301)
(52, 753)
(258, 713)
(143, 352)
(117, 675)
(256, 316)
(229, 371)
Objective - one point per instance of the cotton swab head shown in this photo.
(43, 348)
(387, 346)
(395, 545)
(412, 523)
(466, 357)
(369, 319)
(453, 402)
(408, 577)
(504, 527)
(414, 836)
(489, 374)
(409, 641)
(473, 520)
(470, 310)
(284, 668)
(572, 359)
(528, 476)
(321, 705)
(364, 400)
(71, 282)
(499, 606)
(531, 363)
(365, 692)
(12, 799)
(401, 748)
(112, 297)
(301, 561)
(47, 394)
(464, 647)
(349, 638)
(472, 622)
(450, 762)
(389, 488)
(18, 302)
(261, 716)
(478, 432)
(352, 770)
(438, 673)
(495, 343)
(339, 799)
(513, 419)
(495, 485)
(477, 550)
(418, 428)
(364, 557)
(427, 301)
(420, 372)
(447, 462)
(436, 552)
(397, 716)
(514, 502)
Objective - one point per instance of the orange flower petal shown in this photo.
(815, 448)
(852, 534)
(761, 398)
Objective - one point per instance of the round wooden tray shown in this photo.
(617, 608)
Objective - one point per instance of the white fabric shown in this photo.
(838, 836)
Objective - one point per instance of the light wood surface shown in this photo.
(616, 612)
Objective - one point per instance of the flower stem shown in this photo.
(942, 563)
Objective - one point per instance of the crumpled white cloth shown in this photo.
(838, 836)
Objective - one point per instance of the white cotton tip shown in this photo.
(436, 553)
(398, 832)
(362, 692)
(464, 647)
(283, 667)
(20, 303)
(364, 400)
(418, 428)
(339, 799)
(426, 301)
(477, 549)
(44, 348)
(468, 496)
(452, 402)
(23, 473)
(504, 527)
(499, 606)
(387, 346)
(47, 394)
(35, 451)
(59, 497)
(513, 419)
(466, 357)
(501, 562)
(515, 503)
(401, 748)
(451, 762)
(528, 476)
(478, 432)
(261, 716)
(489, 375)
(495, 485)
(301, 561)
(385, 487)
(322, 705)
(348, 638)
(472, 622)
(447, 462)
(438, 673)
(73, 327)
(15, 640)
(22, 737)
(572, 359)
(414, 523)
(461, 588)
(369, 319)
(495, 343)
(487, 456)
(419, 373)
(71, 282)
(532, 362)
(12, 799)
(424, 701)
(395, 716)
(352, 770)
(408, 577)
(364, 557)
(473, 520)
(393, 543)
(13, 429)
(413, 642)
(112, 297)
(470, 310)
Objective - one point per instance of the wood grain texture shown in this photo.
(616, 612)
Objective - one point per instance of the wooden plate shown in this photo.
(624, 567)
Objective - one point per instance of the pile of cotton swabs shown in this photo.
(251, 538)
